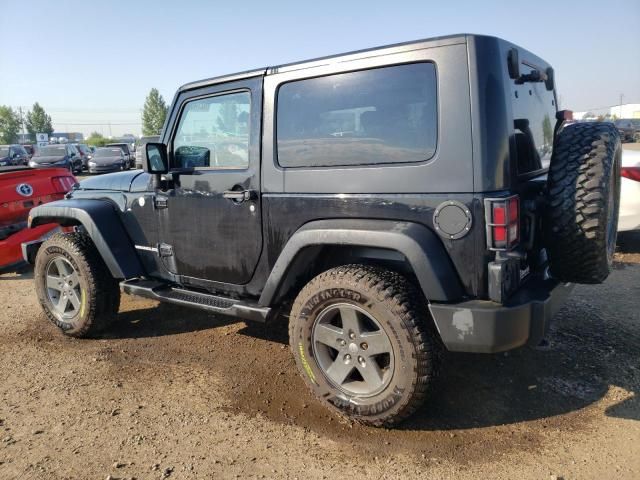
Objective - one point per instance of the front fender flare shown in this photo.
(420, 246)
(102, 223)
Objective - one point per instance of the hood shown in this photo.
(106, 160)
(49, 159)
(120, 181)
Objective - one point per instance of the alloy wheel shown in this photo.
(352, 350)
(63, 288)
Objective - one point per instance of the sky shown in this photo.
(91, 64)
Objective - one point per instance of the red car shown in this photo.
(22, 188)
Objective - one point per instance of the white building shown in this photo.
(627, 110)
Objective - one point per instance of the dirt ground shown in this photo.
(170, 392)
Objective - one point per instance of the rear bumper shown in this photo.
(105, 169)
(629, 205)
(11, 249)
(482, 326)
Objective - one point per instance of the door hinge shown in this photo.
(165, 250)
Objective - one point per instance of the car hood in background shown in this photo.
(120, 181)
(51, 159)
(103, 161)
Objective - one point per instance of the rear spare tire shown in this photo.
(583, 200)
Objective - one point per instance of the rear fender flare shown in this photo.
(420, 246)
(102, 223)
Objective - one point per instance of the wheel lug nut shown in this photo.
(364, 345)
(352, 335)
(361, 361)
(347, 358)
(342, 343)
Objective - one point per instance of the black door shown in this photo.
(211, 225)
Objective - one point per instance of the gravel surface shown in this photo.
(170, 392)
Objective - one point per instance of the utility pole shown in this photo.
(21, 123)
(621, 97)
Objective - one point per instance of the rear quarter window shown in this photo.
(534, 110)
(377, 116)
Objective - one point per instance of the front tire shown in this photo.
(361, 340)
(74, 286)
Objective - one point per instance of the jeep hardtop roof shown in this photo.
(343, 57)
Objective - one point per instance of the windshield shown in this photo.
(51, 150)
(4, 151)
(151, 139)
(124, 147)
(108, 152)
(84, 149)
(628, 123)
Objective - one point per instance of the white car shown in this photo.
(630, 191)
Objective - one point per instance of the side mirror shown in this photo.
(154, 159)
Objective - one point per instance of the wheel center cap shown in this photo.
(353, 348)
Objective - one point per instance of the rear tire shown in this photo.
(368, 310)
(583, 200)
(74, 286)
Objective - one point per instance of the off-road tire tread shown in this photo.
(409, 306)
(103, 297)
(575, 217)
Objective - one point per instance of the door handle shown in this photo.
(238, 196)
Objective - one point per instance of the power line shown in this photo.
(62, 122)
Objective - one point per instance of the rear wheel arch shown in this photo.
(409, 248)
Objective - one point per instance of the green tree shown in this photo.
(547, 131)
(227, 118)
(9, 125)
(97, 140)
(154, 113)
(38, 121)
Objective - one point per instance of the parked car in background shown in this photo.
(629, 129)
(62, 155)
(85, 154)
(22, 188)
(630, 191)
(128, 156)
(140, 147)
(107, 159)
(13, 155)
(30, 150)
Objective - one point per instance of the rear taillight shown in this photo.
(503, 222)
(63, 184)
(632, 173)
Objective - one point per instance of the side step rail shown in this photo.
(203, 301)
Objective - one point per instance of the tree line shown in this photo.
(37, 120)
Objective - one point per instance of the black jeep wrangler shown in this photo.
(394, 202)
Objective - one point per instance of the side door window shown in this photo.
(213, 133)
